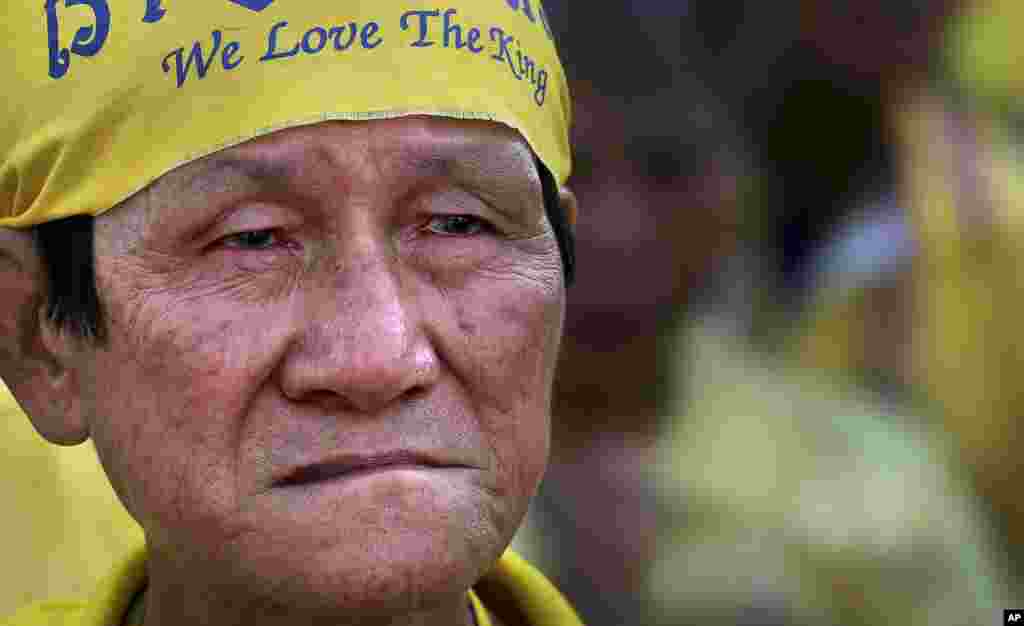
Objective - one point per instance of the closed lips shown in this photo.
(348, 466)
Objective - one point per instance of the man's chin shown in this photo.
(390, 539)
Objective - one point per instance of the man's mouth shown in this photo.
(352, 466)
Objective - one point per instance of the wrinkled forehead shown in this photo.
(393, 151)
(329, 159)
(106, 97)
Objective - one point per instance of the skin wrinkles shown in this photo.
(494, 176)
(542, 266)
(354, 328)
(545, 271)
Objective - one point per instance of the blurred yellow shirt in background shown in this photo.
(796, 499)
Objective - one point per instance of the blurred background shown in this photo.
(788, 393)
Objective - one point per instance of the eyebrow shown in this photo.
(256, 170)
(483, 162)
(211, 175)
(494, 174)
(472, 163)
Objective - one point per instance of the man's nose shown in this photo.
(364, 345)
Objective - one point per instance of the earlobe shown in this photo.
(567, 199)
(54, 390)
(47, 387)
(35, 358)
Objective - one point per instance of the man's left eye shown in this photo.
(252, 240)
(459, 225)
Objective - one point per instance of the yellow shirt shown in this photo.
(514, 592)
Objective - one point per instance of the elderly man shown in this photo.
(298, 272)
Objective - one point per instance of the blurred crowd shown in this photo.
(787, 394)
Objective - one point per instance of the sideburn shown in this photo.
(66, 248)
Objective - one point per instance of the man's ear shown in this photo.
(567, 200)
(35, 357)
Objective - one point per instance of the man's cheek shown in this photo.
(177, 393)
(503, 342)
(509, 349)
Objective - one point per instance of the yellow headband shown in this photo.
(102, 97)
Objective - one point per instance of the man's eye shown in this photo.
(460, 225)
(252, 240)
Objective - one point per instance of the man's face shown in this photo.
(330, 359)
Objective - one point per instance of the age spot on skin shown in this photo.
(466, 326)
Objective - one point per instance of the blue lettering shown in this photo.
(337, 32)
(504, 55)
(60, 58)
(316, 38)
(367, 36)
(473, 42)
(321, 35)
(422, 42)
(527, 67)
(88, 40)
(542, 88)
(452, 31)
(254, 5)
(154, 12)
(525, 5)
(227, 59)
(272, 45)
(196, 55)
